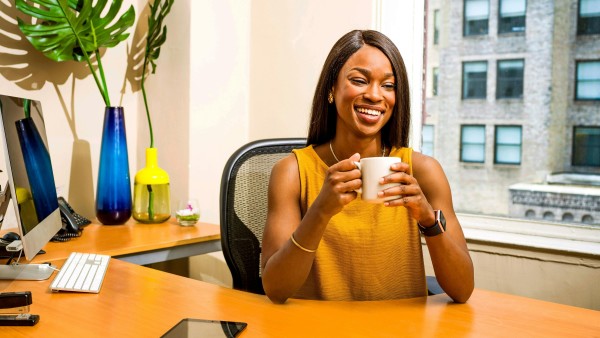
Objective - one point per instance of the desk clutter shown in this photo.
(14, 309)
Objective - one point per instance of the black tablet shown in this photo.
(189, 327)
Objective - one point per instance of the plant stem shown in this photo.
(146, 104)
(87, 58)
(150, 202)
(100, 68)
(27, 107)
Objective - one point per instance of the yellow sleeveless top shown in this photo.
(368, 251)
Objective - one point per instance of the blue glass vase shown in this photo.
(38, 168)
(113, 191)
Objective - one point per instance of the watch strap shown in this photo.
(438, 227)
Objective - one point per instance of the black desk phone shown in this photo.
(73, 222)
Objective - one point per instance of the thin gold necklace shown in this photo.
(336, 159)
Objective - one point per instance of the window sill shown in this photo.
(545, 236)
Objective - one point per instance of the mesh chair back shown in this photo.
(243, 204)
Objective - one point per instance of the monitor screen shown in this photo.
(29, 171)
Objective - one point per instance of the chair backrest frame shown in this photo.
(240, 242)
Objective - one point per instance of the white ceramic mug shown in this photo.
(372, 170)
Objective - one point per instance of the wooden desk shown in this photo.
(136, 301)
(139, 243)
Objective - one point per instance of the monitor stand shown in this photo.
(26, 271)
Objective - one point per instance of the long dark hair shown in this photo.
(323, 115)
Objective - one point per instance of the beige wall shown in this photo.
(555, 276)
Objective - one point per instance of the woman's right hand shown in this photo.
(341, 181)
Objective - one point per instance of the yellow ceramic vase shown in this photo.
(151, 197)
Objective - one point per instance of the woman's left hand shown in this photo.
(410, 194)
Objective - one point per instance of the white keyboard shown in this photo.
(82, 272)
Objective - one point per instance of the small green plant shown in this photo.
(75, 30)
(157, 35)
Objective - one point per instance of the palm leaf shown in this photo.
(75, 30)
(157, 33)
(65, 28)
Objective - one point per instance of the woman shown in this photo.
(320, 241)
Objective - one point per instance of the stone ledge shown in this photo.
(565, 238)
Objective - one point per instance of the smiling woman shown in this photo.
(321, 241)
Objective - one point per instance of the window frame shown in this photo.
(483, 30)
(432, 128)
(464, 87)
(501, 23)
(577, 63)
(583, 25)
(575, 147)
(462, 143)
(435, 74)
(496, 144)
(498, 79)
(436, 26)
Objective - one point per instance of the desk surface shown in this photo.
(132, 240)
(136, 301)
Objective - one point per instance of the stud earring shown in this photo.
(330, 98)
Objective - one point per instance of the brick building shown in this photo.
(512, 98)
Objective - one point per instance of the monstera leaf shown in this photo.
(157, 32)
(157, 35)
(75, 30)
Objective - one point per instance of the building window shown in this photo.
(588, 80)
(588, 20)
(474, 80)
(508, 145)
(436, 26)
(567, 217)
(586, 146)
(472, 143)
(511, 16)
(509, 79)
(549, 216)
(427, 140)
(435, 80)
(477, 13)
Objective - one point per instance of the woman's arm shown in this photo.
(285, 265)
(424, 191)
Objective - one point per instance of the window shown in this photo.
(586, 146)
(427, 140)
(474, 80)
(588, 20)
(510, 148)
(436, 26)
(508, 145)
(472, 143)
(435, 80)
(511, 17)
(509, 81)
(588, 80)
(477, 13)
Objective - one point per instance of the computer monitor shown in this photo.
(31, 184)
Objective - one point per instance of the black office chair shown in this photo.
(243, 204)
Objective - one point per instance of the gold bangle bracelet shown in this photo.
(300, 246)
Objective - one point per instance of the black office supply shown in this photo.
(72, 222)
(190, 327)
(11, 237)
(15, 302)
(23, 319)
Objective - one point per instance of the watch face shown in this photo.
(442, 219)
